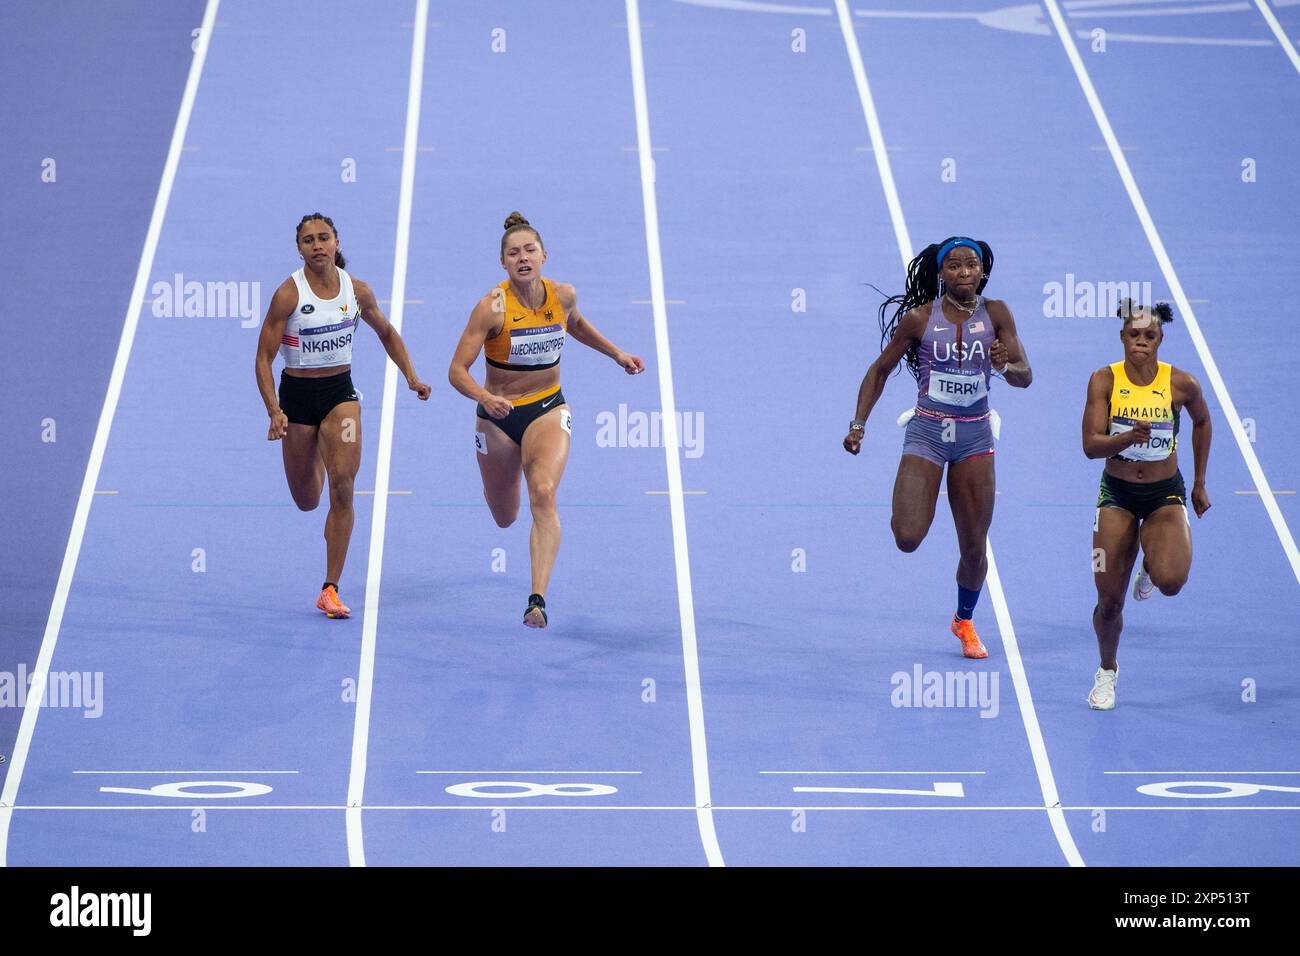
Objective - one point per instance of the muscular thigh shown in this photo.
(971, 489)
(498, 456)
(301, 451)
(916, 487)
(1114, 548)
(340, 439)
(546, 446)
(1167, 540)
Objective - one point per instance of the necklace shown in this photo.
(970, 311)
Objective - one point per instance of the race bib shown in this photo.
(1158, 448)
(960, 390)
(326, 345)
(536, 346)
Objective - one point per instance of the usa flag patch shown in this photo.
(977, 327)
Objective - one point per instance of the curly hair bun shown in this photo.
(1162, 312)
(516, 219)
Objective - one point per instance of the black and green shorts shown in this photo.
(1141, 498)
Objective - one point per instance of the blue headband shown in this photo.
(948, 247)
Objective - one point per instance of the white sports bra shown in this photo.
(319, 331)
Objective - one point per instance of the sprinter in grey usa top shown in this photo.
(953, 340)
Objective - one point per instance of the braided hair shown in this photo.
(338, 256)
(922, 287)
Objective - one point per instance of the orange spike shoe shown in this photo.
(964, 631)
(329, 603)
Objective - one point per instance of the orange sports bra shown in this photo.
(530, 339)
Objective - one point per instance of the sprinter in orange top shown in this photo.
(524, 423)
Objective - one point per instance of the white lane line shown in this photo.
(185, 773)
(1208, 773)
(1233, 6)
(1037, 746)
(677, 507)
(523, 773)
(1278, 32)
(1176, 287)
(752, 6)
(941, 789)
(878, 148)
(1174, 41)
(1038, 749)
(22, 745)
(369, 626)
(488, 807)
(875, 773)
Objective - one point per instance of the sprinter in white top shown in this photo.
(317, 413)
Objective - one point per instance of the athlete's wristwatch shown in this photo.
(858, 425)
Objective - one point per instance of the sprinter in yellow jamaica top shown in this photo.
(524, 423)
(1131, 420)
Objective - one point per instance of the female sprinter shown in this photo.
(521, 326)
(952, 337)
(1131, 420)
(317, 413)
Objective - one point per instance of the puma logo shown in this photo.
(1156, 391)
